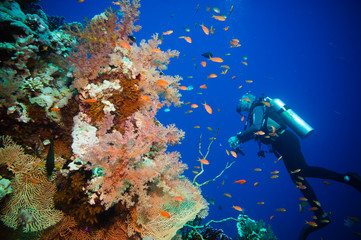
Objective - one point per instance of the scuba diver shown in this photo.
(267, 122)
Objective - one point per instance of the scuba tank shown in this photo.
(295, 122)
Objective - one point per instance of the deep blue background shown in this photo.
(305, 52)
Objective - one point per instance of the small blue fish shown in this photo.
(166, 110)
(190, 88)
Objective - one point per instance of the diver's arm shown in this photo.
(256, 126)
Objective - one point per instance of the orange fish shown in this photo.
(159, 105)
(227, 152)
(55, 109)
(256, 184)
(238, 208)
(197, 127)
(146, 98)
(234, 154)
(90, 100)
(212, 30)
(198, 167)
(259, 133)
(227, 195)
(281, 210)
(302, 187)
(302, 199)
(278, 159)
(204, 64)
(164, 214)
(194, 105)
(189, 111)
(242, 181)
(195, 172)
(296, 171)
(78, 1)
(124, 44)
(184, 88)
(267, 104)
(219, 18)
(313, 209)
(34, 181)
(205, 29)
(249, 81)
(275, 172)
(301, 178)
(188, 39)
(234, 77)
(203, 86)
(313, 224)
(168, 32)
(212, 75)
(271, 217)
(257, 169)
(246, 99)
(204, 161)
(178, 198)
(245, 64)
(274, 177)
(326, 182)
(242, 119)
(115, 3)
(226, 28)
(156, 50)
(162, 83)
(216, 59)
(208, 108)
(223, 183)
(260, 203)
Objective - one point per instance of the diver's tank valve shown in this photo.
(295, 122)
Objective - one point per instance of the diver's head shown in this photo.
(245, 103)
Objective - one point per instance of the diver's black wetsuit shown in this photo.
(287, 145)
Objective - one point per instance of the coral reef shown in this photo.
(96, 93)
(249, 229)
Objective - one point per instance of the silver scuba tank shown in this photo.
(295, 122)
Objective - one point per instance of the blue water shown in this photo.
(305, 52)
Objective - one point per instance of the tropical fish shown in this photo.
(260, 203)
(275, 172)
(203, 86)
(268, 105)
(219, 17)
(242, 119)
(302, 187)
(91, 100)
(226, 28)
(300, 208)
(230, 11)
(271, 217)
(227, 152)
(162, 83)
(225, 66)
(302, 199)
(227, 195)
(274, 177)
(204, 64)
(178, 198)
(215, 9)
(125, 45)
(204, 161)
(194, 105)
(311, 223)
(50, 159)
(156, 50)
(234, 154)
(223, 183)
(259, 133)
(212, 75)
(196, 127)
(188, 39)
(238, 208)
(256, 184)
(34, 181)
(210, 129)
(166, 110)
(246, 99)
(195, 172)
(242, 181)
(281, 210)
(55, 109)
(189, 111)
(168, 32)
(216, 59)
(317, 203)
(183, 88)
(208, 108)
(164, 214)
(279, 158)
(211, 29)
(257, 169)
(249, 81)
(355, 219)
(205, 29)
(313, 209)
(326, 182)
(198, 167)
(186, 29)
(296, 171)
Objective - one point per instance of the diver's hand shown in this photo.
(233, 142)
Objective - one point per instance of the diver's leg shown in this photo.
(351, 178)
